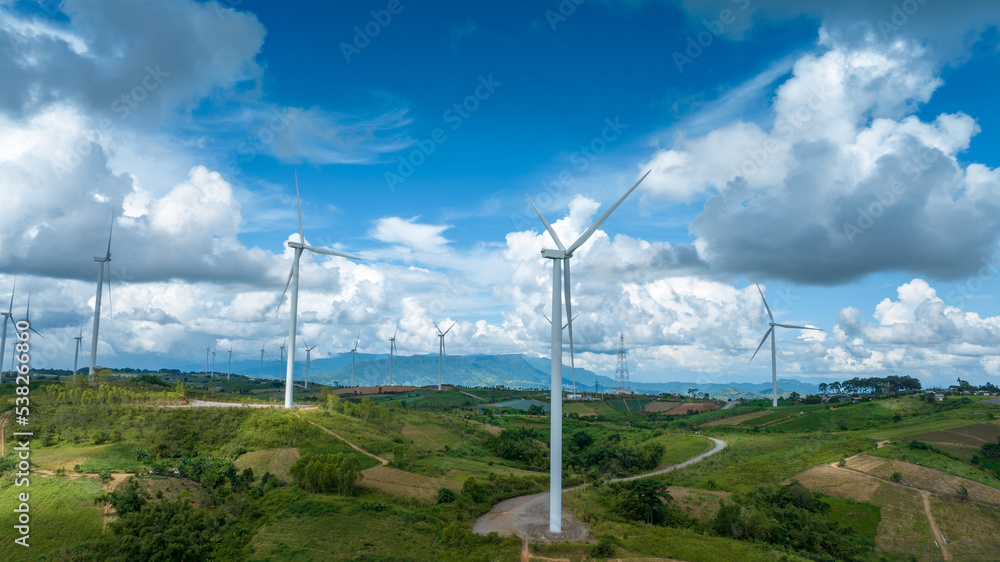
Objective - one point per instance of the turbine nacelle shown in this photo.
(556, 254)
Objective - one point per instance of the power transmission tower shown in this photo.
(621, 372)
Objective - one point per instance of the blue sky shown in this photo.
(844, 157)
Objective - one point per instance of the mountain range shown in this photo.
(513, 371)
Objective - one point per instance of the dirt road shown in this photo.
(353, 446)
(528, 516)
(926, 497)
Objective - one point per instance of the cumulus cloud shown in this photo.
(844, 182)
(915, 331)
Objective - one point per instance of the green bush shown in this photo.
(337, 473)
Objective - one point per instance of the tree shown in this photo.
(822, 388)
(337, 473)
(691, 391)
(834, 387)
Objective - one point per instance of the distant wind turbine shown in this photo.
(229, 369)
(441, 349)
(281, 357)
(7, 316)
(76, 354)
(308, 359)
(105, 261)
(354, 353)
(559, 257)
(208, 350)
(771, 332)
(261, 359)
(213, 364)
(392, 350)
(293, 281)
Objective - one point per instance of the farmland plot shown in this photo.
(404, 484)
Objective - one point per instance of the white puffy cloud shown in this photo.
(844, 182)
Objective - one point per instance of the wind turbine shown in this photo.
(105, 261)
(392, 349)
(770, 332)
(293, 280)
(308, 359)
(213, 364)
(441, 350)
(558, 257)
(229, 369)
(76, 354)
(6, 316)
(261, 359)
(354, 353)
(281, 357)
(207, 351)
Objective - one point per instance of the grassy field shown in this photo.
(736, 420)
(591, 409)
(863, 517)
(679, 448)
(937, 461)
(275, 461)
(457, 469)
(628, 405)
(752, 460)
(371, 526)
(432, 437)
(62, 513)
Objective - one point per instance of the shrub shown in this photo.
(446, 495)
(897, 476)
(337, 473)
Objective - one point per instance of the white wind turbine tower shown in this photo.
(106, 260)
(392, 350)
(441, 349)
(6, 316)
(229, 369)
(76, 353)
(354, 353)
(213, 364)
(771, 332)
(572, 356)
(308, 359)
(293, 280)
(208, 350)
(558, 257)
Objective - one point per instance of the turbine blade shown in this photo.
(762, 340)
(108, 256)
(797, 327)
(324, 251)
(569, 314)
(768, 308)
(111, 305)
(358, 341)
(10, 307)
(449, 329)
(436, 327)
(593, 228)
(298, 202)
(548, 226)
(287, 283)
(547, 318)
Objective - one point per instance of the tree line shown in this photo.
(872, 385)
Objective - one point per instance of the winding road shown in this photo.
(528, 516)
